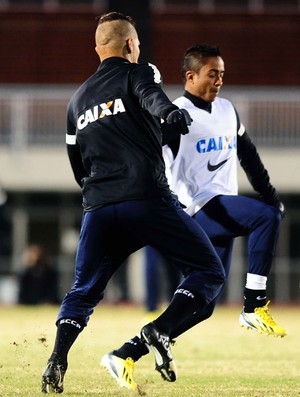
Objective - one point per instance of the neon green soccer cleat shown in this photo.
(121, 370)
(262, 321)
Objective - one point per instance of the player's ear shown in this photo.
(189, 76)
(129, 46)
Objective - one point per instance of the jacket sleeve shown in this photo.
(254, 168)
(76, 163)
(74, 154)
(146, 86)
(170, 136)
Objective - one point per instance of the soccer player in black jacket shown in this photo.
(114, 142)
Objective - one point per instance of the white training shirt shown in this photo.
(206, 163)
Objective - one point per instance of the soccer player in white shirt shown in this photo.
(203, 173)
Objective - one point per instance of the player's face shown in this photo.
(209, 80)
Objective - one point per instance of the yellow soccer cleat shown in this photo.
(262, 321)
(121, 370)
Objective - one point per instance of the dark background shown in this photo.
(58, 46)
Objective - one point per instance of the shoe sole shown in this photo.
(108, 365)
(248, 326)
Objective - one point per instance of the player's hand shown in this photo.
(180, 120)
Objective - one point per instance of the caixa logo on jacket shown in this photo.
(99, 111)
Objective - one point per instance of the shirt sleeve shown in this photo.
(254, 168)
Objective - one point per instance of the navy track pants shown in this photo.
(225, 217)
(111, 233)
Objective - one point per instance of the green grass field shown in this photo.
(216, 358)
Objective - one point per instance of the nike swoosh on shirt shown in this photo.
(214, 167)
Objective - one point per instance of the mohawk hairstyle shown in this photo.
(115, 16)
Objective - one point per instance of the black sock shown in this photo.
(133, 348)
(254, 298)
(66, 334)
(183, 305)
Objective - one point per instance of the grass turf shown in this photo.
(216, 358)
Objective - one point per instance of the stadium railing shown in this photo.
(37, 116)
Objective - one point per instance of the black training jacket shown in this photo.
(114, 139)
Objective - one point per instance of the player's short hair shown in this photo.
(115, 16)
(196, 56)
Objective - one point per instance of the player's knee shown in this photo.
(221, 275)
(272, 216)
(209, 310)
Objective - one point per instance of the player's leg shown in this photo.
(262, 241)
(243, 216)
(182, 241)
(173, 276)
(94, 267)
(164, 225)
(134, 348)
(223, 247)
(152, 259)
(154, 283)
(223, 244)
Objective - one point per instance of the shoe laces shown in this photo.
(265, 314)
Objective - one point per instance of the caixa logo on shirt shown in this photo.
(218, 143)
(99, 111)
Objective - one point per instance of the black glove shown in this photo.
(179, 119)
